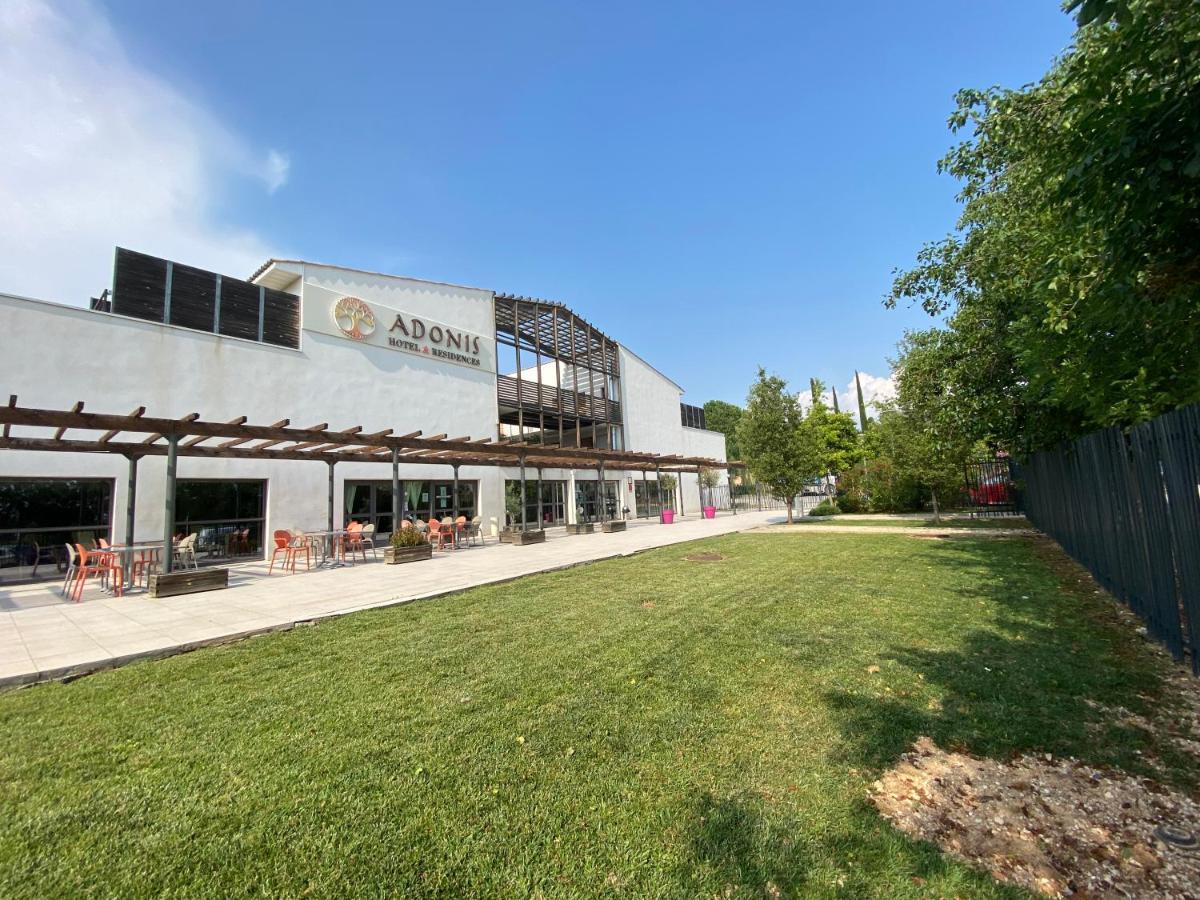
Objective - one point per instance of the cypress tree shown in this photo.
(862, 407)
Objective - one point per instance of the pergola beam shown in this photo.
(272, 435)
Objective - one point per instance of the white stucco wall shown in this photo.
(652, 423)
(53, 356)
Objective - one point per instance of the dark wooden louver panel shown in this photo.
(159, 290)
(193, 297)
(239, 309)
(281, 319)
(139, 285)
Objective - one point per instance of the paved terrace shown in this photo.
(44, 637)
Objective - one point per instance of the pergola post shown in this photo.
(524, 513)
(645, 494)
(456, 494)
(541, 518)
(169, 524)
(657, 491)
(331, 464)
(397, 511)
(130, 507)
(679, 485)
(601, 493)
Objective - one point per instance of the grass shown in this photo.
(648, 727)
(948, 521)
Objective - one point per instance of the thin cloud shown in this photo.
(100, 151)
(876, 389)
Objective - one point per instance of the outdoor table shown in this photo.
(328, 559)
(128, 551)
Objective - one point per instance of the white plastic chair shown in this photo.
(72, 565)
(185, 551)
(368, 540)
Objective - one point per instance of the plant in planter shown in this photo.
(512, 513)
(580, 526)
(407, 545)
(666, 486)
(710, 479)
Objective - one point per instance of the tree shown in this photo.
(835, 436)
(863, 421)
(724, 417)
(778, 450)
(932, 441)
(1072, 281)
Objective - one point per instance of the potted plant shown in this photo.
(666, 485)
(512, 509)
(710, 480)
(407, 545)
(579, 526)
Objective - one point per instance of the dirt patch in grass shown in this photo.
(1052, 825)
(705, 557)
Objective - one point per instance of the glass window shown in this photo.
(587, 500)
(227, 517)
(553, 509)
(39, 517)
(370, 502)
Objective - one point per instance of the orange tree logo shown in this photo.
(354, 318)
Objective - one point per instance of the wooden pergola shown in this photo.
(136, 435)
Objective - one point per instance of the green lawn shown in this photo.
(1003, 522)
(648, 726)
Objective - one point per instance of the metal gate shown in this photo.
(992, 488)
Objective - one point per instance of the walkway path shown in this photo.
(58, 639)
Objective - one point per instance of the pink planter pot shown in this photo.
(667, 517)
(710, 512)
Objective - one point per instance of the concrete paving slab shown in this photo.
(45, 637)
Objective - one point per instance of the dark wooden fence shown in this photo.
(1127, 506)
(160, 290)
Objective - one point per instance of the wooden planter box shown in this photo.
(519, 538)
(614, 525)
(187, 581)
(581, 528)
(396, 555)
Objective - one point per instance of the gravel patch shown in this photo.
(1051, 825)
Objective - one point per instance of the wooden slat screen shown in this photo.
(139, 285)
(239, 309)
(193, 297)
(281, 319)
(140, 290)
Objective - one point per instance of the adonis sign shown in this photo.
(401, 331)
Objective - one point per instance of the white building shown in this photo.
(321, 344)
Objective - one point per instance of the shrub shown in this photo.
(407, 537)
(852, 494)
(824, 508)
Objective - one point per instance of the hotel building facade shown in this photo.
(342, 348)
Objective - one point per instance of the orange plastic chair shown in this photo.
(460, 529)
(144, 562)
(447, 533)
(434, 534)
(96, 562)
(354, 541)
(287, 545)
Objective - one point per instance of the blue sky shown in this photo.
(718, 186)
